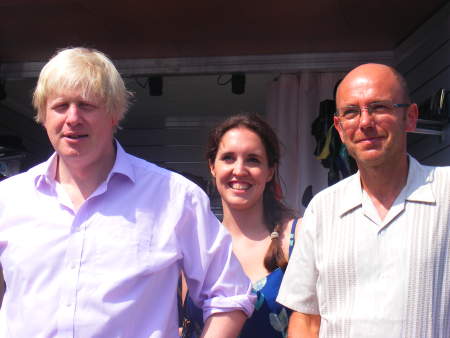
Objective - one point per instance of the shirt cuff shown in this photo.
(244, 303)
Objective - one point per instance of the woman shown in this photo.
(243, 155)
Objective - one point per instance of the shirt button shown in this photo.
(69, 304)
(73, 266)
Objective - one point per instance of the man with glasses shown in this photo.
(372, 258)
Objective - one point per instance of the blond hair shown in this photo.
(87, 70)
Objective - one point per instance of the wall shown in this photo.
(34, 137)
(424, 60)
(171, 130)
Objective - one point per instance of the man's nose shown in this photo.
(365, 118)
(73, 114)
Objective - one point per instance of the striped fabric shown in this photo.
(369, 277)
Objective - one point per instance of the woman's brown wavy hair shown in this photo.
(275, 211)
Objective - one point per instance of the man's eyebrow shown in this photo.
(372, 102)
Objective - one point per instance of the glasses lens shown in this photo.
(381, 108)
(350, 113)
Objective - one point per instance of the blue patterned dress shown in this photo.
(269, 320)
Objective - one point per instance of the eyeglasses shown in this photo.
(352, 113)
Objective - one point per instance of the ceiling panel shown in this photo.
(31, 30)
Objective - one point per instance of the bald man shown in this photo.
(372, 258)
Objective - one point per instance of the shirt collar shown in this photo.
(122, 165)
(46, 172)
(418, 185)
(417, 189)
(353, 194)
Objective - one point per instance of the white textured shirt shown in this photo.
(368, 277)
(111, 269)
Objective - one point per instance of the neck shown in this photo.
(83, 180)
(245, 223)
(384, 183)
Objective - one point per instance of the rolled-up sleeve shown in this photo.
(214, 276)
(298, 288)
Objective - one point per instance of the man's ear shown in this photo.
(412, 114)
(338, 126)
(114, 121)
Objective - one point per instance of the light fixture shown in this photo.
(238, 83)
(2, 89)
(155, 84)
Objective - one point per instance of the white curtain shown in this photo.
(292, 106)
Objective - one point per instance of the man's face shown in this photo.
(374, 139)
(80, 129)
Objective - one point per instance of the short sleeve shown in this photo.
(298, 288)
(214, 276)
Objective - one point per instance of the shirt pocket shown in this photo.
(126, 247)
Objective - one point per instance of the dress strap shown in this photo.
(292, 236)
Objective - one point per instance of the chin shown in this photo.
(69, 154)
(238, 205)
(371, 161)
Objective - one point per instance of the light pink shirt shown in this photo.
(112, 268)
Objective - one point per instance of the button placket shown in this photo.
(69, 286)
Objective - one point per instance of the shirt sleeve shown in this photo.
(298, 288)
(214, 276)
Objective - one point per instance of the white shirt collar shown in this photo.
(417, 189)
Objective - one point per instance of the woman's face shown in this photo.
(241, 169)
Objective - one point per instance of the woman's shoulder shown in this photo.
(291, 226)
(289, 231)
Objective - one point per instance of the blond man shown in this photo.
(92, 241)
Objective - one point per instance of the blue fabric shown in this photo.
(269, 320)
